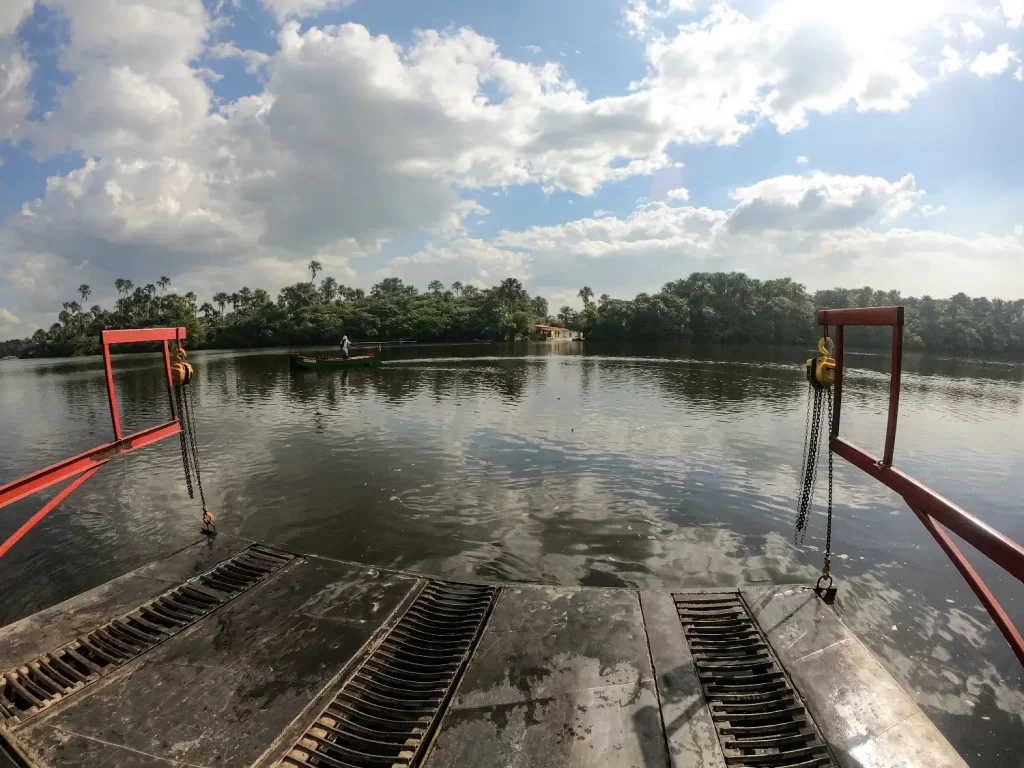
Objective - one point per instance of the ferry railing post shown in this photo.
(931, 508)
(85, 464)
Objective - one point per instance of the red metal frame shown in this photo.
(85, 465)
(931, 508)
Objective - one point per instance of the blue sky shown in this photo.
(622, 143)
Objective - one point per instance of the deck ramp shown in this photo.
(320, 662)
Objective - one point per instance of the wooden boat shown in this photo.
(321, 363)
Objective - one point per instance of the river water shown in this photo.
(554, 464)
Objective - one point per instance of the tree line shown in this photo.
(706, 307)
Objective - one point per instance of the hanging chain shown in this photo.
(189, 400)
(185, 401)
(809, 471)
(179, 398)
(825, 574)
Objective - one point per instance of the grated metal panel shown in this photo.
(759, 717)
(386, 712)
(40, 683)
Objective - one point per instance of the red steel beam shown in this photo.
(862, 316)
(995, 610)
(1002, 550)
(111, 392)
(29, 524)
(895, 377)
(142, 334)
(44, 478)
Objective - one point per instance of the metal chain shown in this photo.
(180, 400)
(190, 425)
(810, 471)
(807, 428)
(828, 534)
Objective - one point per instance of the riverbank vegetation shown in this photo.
(702, 308)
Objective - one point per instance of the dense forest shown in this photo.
(702, 308)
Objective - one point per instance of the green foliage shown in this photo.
(704, 307)
(303, 314)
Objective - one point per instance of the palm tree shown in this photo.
(123, 286)
(435, 287)
(164, 282)
(220, 299)
(191, 298)
(329, 288)
(234, 298)
(565, 315)
(314, 266)
(85, 292)
(510, 292)
(586, 293)
(207, 309)
(457, 288)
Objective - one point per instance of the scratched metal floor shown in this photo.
(228, 654)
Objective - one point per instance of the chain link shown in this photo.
(828, 534)
(189, 400)
(809, 473)
(179, 398)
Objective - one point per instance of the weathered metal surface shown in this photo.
(386, 712)
(561, 677)
(854, 701)
(219, 694)
(41, 682)
(53, 627)
(759, 718)
(689, 730)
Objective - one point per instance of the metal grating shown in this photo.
(386, 712)
(42, 682)
(759, 717)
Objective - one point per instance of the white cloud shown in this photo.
(716, 76)
(253, 59)
(679, 193)
(972, 31)
(640, 15)
(534, 49)
(1019, 74)
(995, 63)
(15, 74)
(1013, 10)
(1018, 230)
(820, 202)
(134, 91)
(932, 210)
(802, 160)
(7, 317)
(297, 9)
(12, 13)
(951, 61)
(600, 213)
(659, 242)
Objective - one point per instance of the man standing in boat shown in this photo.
(344, 347)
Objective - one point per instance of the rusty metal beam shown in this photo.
(132, 335)
(999, 548)
(29, 524)
(62, 470)
(995, 610)
(892, 316)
